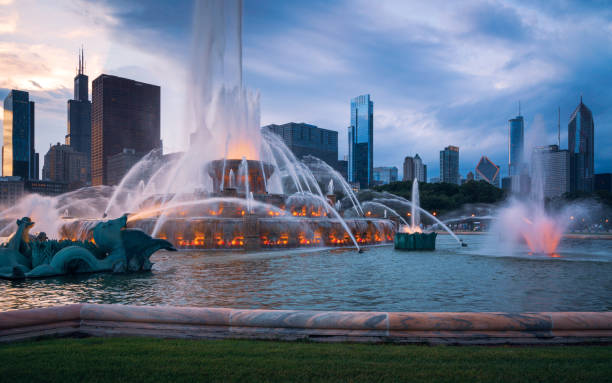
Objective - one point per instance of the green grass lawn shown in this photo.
(158, 360)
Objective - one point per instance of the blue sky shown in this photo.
(440, 73)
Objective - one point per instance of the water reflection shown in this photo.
(450, 279)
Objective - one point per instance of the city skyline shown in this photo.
(461, 107)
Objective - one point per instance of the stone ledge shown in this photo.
(217, 323)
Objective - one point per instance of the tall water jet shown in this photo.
(415, 213)
(525, 219)
(412, 237)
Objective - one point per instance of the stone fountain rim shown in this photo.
(105, 320)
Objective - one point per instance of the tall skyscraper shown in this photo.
(361, 141)
(18, 155)
(516, 142)
(408, 175)
(79, 115)
(305, 139)
(420, 169)
(580, 137)
(125, 115)
(449, 165)
(487, 171)
(550, 166)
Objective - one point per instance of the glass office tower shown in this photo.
(18, 155)
(516, 142)
(580, 137)
(449, 165)
(361, 141)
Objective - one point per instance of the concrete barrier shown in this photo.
(217, 323)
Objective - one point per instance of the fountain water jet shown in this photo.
(525, 220)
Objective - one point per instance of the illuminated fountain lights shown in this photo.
(238, 212)
(242, 214)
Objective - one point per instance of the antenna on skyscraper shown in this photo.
(81, 68)
(519, 107)
(559, 128)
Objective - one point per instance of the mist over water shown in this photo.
(524, 220)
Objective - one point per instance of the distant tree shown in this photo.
(443, 197)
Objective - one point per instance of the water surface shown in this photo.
(477, 278)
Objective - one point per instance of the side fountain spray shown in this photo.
(525, 220)
(412, 237)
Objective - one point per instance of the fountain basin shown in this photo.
(415, 241)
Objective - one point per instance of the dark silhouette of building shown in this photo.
(408, 169)
(18, 156)
(361, 141)
(65, 165)
(305, 139)
(603, 181)
(11, 191)
(79, 115)
(46, 187)
(125, 114)
(119, 164)
(449, 165)
(580, 137)
(343, 168)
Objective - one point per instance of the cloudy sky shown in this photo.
(440, 73)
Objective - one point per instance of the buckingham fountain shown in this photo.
(234, 187)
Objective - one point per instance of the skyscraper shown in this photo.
(408, 169)
(420, 169)
(361, 141)
(580, 143)
(305, 139)
(550, 166)
(516, 142)
(449, 165)
(487, 171)
(18, 155)
(125, 115)
(79, 115)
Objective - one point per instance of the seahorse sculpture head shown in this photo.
(107, 234)
(22, 236)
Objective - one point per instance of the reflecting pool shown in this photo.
(475, 278)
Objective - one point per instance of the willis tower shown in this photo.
(79, 114)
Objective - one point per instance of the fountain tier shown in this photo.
(247, 175)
